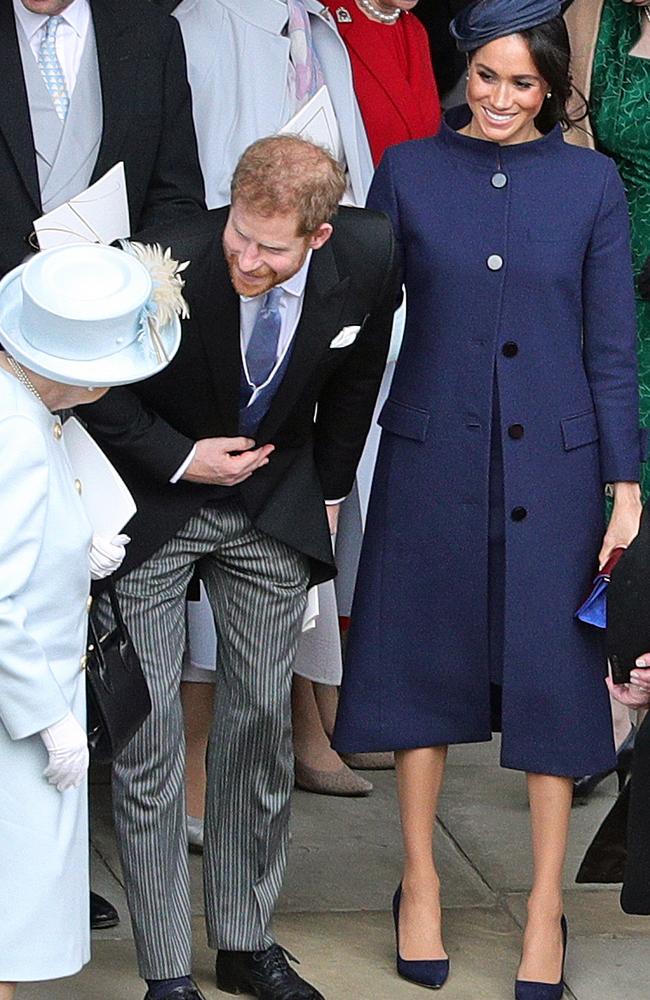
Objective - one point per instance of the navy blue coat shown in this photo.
(516, 262)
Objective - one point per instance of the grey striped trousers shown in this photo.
(257, 588)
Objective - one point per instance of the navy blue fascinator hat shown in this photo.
(486, 20)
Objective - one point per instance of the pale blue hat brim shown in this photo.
(135, 362)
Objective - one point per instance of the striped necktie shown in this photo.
(306, 72)
(51, 69)
(262, 350)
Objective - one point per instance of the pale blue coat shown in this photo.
(44, 584)
(234, 105)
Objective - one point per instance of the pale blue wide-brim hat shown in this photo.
(93, 315)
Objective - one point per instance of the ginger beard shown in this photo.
(257, 282)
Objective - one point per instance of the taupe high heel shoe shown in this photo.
(342, 782)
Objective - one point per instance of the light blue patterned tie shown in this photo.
(262, 350)
(51, 69)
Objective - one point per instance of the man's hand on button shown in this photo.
(226, 461)
(105, 557)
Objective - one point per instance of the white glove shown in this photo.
(67, 746)
(105, 556)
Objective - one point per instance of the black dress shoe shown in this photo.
(181, 993)
(263, 974)
(102, 913)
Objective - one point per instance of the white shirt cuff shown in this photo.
(180, 471)
(333, 503)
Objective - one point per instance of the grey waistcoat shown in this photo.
(66, 153)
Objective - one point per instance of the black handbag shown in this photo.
(628, 605)
(117, 695)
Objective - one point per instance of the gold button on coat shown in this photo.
(82, 662)
(57, 431)
(78, 486)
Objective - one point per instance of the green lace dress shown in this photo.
(620, 102)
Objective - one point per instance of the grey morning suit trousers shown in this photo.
(257, 587)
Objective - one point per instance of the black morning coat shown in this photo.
(148, 123)
(318, 421)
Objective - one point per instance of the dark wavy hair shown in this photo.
(550, 50)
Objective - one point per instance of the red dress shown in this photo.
(393, 76)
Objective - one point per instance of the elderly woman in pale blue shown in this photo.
(72, 321)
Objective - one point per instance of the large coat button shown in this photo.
(495, 262)
(499, 180)
(516, 431)
(519, 514)
(510, 349)
(57, 430)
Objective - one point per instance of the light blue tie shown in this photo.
(51, 69)
(262, 350)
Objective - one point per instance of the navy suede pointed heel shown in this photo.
(544, 991)
(430, 974)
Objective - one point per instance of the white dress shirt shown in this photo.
(290, 306)
(70, 37)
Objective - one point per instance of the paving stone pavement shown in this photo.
(344, 865)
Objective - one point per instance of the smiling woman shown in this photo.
(519, 86)
(514, 401)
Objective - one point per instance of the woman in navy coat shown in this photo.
(514, 402)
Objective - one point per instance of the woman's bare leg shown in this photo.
(550, 813)
(7, 991)
(198, 711)
(419, 780)
(327, 699)
(311, 744)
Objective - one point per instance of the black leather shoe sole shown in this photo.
(232, 988)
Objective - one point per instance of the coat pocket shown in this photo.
(404, 420)
(579, 430)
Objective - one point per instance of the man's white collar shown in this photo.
(76, 15)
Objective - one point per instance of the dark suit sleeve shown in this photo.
(120, 421)
(176, 187)
(347, 401)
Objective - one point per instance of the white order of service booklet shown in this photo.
(100, 214)
(106, 499)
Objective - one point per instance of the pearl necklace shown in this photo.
(379, 15)
(22, 376)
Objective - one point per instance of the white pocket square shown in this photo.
(347, 336)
